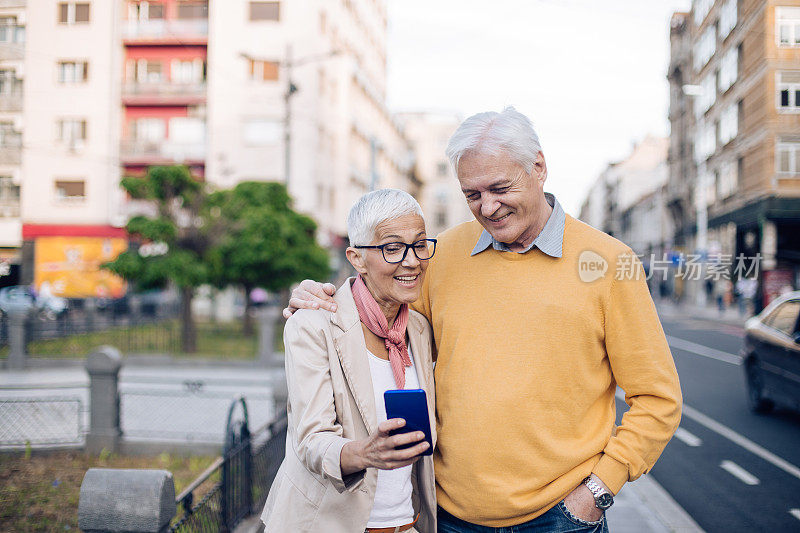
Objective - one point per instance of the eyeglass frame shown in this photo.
(405, 252)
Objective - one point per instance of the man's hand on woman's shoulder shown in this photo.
(311, 294)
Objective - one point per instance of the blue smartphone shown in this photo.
(412, 406)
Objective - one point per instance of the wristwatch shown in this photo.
(602, 498)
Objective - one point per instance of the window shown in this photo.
(707, 96)
(9, 138)
(263, 70)
(705, 142)
(148, 129)
(10, 31)
(73, 71)
(728, 69)
(261, 132)
(727, 18)
(788, 83)
(70, 190)
(192, 10)
(73, 12)
(705, 48)
(728, 179)
(788, 157)
(728, 124)
(8, 191)
(148, 71)
(145, 11)
(701, 9)
(187, 71)
(784, 318)
(72, 132)
(187, 130)
(787, 26)
(9, 83)
(265, 10)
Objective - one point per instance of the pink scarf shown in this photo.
(371, 315)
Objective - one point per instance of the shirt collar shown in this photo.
(549, 241)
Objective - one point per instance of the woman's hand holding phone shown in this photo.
(379, 450)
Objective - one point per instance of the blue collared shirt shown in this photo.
(550, 240)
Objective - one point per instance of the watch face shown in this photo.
(604, 501)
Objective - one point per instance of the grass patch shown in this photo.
(214, 340)
(40, 493)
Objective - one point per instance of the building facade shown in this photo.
(440, 194)
(12, 59)
(290, 90)
(742, 77)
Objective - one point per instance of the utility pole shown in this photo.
(291, 88)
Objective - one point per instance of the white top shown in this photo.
(392, 506)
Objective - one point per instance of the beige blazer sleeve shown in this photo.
(318, 439)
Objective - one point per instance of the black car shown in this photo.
(772, 355)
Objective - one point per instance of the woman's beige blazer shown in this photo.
(331, 402)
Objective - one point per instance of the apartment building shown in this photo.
(743, 79)
(12, 55)
(290, 90)
(440, 193)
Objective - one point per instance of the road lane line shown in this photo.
(741, 440)
(738, 472)
(690, 439)
(705, 351)
(795, 513)
(731, 435)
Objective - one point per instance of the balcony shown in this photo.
(165, 93)
(12, 42)
(136, 152)
(182, 32)
(9, 209)
(10, 148)
(11, 101)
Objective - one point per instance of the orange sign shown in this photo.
(70, 266)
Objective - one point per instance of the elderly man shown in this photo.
(537, 319)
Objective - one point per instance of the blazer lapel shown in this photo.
(422, 358)
(352, 352)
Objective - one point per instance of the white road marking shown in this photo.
(705, 351)
(795, 513)
(690, 439)
(738, 472)
(731, 435)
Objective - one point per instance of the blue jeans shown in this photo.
(556, 520)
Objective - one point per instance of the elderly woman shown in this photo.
(342, 471)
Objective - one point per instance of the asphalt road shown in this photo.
(730, 469)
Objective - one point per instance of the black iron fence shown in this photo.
(236, 485)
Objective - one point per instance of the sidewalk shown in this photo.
(730, 316)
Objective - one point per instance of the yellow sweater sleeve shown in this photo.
(643, 367)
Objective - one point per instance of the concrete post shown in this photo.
(103, 366)
(17, 338)
(116, 500)
(267, 316)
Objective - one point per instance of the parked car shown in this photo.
(24, 297)
(772, 355)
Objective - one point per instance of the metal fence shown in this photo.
(245, 473)
(42, 421)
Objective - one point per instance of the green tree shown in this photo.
(178, 200)
(266, 243)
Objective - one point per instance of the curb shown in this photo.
(664, 508)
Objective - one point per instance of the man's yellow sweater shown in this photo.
(529, 359)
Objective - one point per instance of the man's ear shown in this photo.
(356, 260)
(540, 168)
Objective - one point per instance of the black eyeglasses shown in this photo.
(395, 252)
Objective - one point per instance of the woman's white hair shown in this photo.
(492, 133)
(376, 207)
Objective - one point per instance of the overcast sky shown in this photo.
(591, 74)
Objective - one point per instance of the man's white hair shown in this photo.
(492, 133)
(376, 207)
